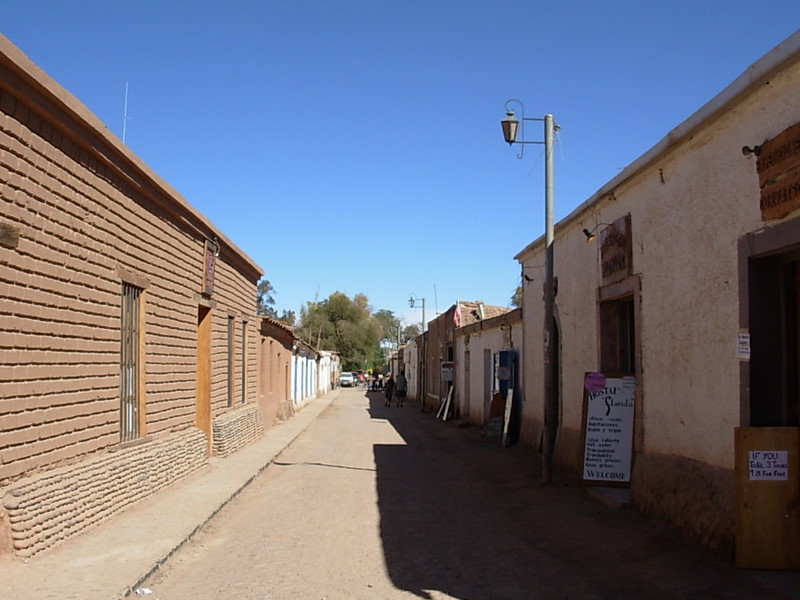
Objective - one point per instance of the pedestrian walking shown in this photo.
(388, 389)
(401, 385)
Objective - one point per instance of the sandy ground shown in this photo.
(383, 503)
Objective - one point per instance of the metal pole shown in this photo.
(550, 408)
(424, 374)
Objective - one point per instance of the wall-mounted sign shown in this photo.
(447, 371)
(743, 345)
(778, 168)
(209, 265)
(616, 256)
(608, 429)
(769, 465)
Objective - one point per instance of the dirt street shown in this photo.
(381, 503)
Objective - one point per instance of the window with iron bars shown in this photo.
(129, 363)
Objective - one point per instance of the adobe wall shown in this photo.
(235, 429)
(44, 510)
(87, 217)
(79, 216)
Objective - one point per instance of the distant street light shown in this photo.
(423, 351)
(412, 303)
(510, 126)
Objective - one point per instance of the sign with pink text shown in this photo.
(608, 429)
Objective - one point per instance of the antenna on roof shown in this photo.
(125, 114)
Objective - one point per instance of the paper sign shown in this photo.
(769, 465)
(743, 345)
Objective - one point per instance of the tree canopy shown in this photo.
(348, 327)
(265, 304)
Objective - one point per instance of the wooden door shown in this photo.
(202, 414)
(767, 497)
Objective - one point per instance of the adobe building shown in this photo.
(689, 297)
(276, 342)
(478, 347)
(440, 359)
(129, 345)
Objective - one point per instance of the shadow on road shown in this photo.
(465, 517)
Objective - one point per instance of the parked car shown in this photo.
(347, 380)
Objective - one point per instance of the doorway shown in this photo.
(202, 407)
(467, 383)
(488, 374)
(774, 313)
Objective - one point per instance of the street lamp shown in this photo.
(421, 379)
(510, 127)
(412, 303)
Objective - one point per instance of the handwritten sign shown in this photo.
(769, 465)
(743, 345)
(608, 435)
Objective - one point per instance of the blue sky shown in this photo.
(355, 145)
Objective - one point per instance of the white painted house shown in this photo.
(693, 289)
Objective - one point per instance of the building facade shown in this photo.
(128, 338)
(305, 373)
(440, 361)
(476, 347)
(275, 354)
(689, 293)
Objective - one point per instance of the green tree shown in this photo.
(288, 317)
(265, 301)
(390, 326)
(410, 332)
(345, 326)
(516, 298)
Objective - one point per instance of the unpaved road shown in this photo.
(381, 503)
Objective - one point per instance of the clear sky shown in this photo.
(355, 145)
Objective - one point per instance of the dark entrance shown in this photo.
(774, 314)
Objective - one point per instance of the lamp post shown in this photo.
(412, 302)
(510, 126)
(421, 383)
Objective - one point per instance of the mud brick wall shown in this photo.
(82, 215)
(286, 410)
(236, 429)
(46, 509)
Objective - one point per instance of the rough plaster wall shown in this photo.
(696, 497)
(687, 212)
(703, 201)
